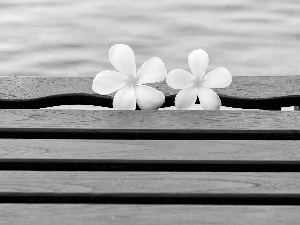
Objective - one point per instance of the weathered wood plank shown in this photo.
(147, 214)
(150, 149)
(154, 120)
(242, 87)
(149, 182)
(166, 125)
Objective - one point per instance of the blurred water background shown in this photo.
(72, 37)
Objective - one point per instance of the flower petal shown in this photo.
(152, 71)
(218, 78)
(107, 82)
(186, 98)
(122, 58)
(180, 79)
(148, 97)
(125, 98)
(198, 61)
(209, 100)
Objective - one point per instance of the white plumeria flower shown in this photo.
(128, 83)
(197, 84)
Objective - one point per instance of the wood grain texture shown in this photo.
(149, 182)
(150, 149)
(267, 93)
(154, 125)
(242, 87)
(100, 122)
(147, 214)
(152, 120)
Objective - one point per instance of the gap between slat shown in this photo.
(149, 165)
(151, 198)
(148, 134)
(195, 107)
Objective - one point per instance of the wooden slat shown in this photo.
(149, 182)
(147, 214)
(268, 93)
(150, 149)
(166, 125)
(154, 120)
(242, 87)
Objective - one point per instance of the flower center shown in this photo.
(132, 80)
(198, 81)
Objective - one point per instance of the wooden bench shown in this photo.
(148, 167)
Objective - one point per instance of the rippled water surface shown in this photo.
(72, 37)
